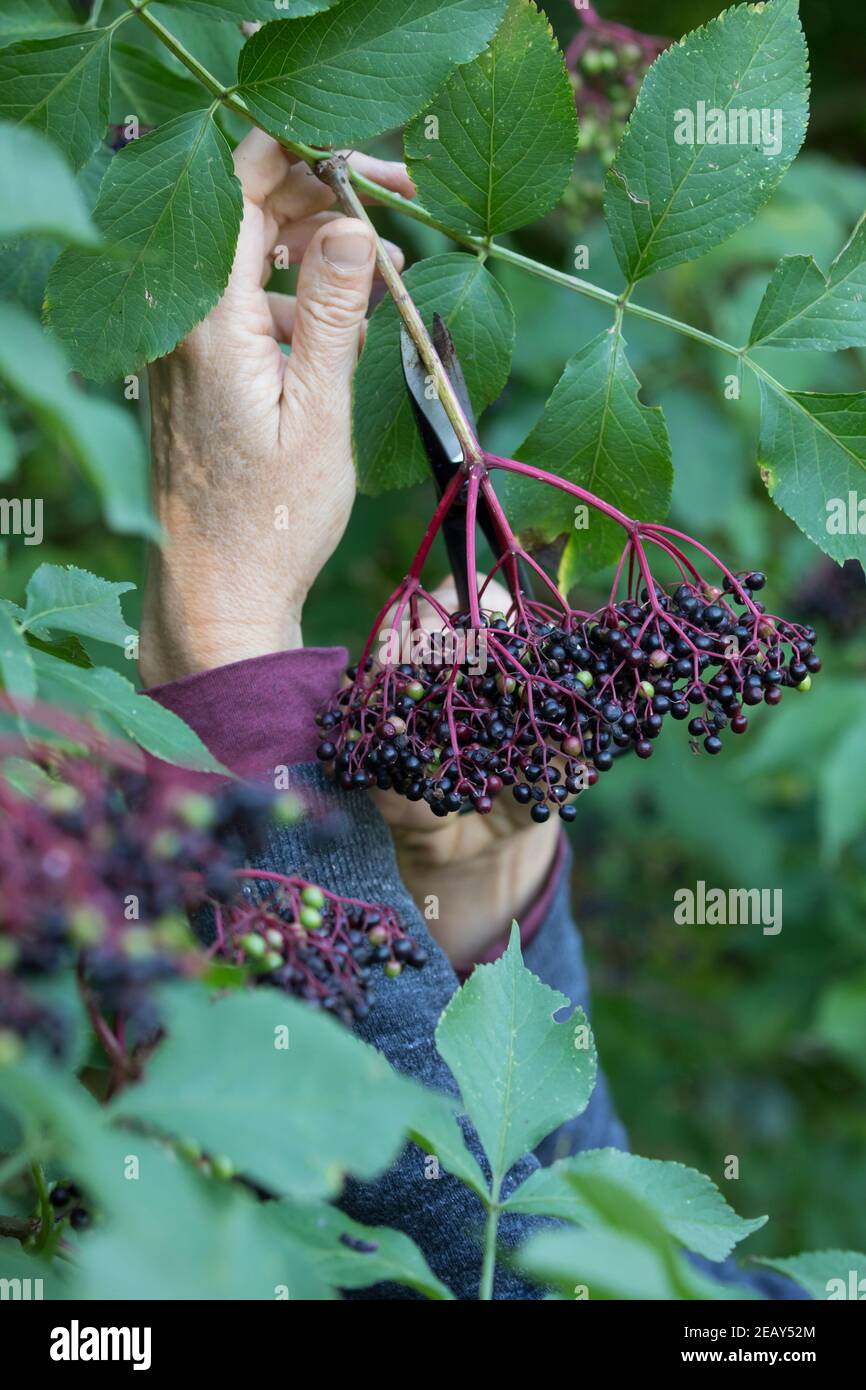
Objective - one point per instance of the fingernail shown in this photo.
(348, 252)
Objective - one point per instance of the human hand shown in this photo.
(252, 463)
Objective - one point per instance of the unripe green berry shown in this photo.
(805, 684)
(312, 896)
(189, 1148)
(647, 689)
(393, 968)
(286, 810)
(414, 690)
(253, 945)
(377, 936)
(310, 919)
(196, 810)
(272, 961)
(274, 938)
(222, 1167)
(585, 678)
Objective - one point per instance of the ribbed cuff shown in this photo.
(259, 714)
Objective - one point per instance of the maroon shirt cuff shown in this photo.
(532, 919)
(259, 714)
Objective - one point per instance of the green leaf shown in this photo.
(262, 10)
(812, 455)
(224, 1243)
(60, 86)
(803, 308)
(172, 206)
(66, 599)
(142, 86)
(842, 791)
(667, 202)
(35, 19)
(103, 691)
(364, 67)
(395, 1259)
(520, 1074)
(388, 449)
(294, 1117)
(26, 261)
(825, 1274)
(16, 663)
(631, 1257)
(594, 432)
(502, 148)
(433, 1126)
(102, 436)
(38, 193)
(687, 1204)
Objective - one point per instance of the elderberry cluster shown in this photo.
(562, 696)
(319, 947)
(101, 869)
(607, 63)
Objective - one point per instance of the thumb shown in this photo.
(334, 286)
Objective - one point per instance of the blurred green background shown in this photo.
(717, 1040)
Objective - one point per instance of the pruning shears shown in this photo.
(442, 447)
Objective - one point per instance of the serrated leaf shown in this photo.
(35, 19)
(100, 690)
(171, 205)
(502, 148)
(812, 455)
(825, 1274)
(803, 308)
(67, 599)
(332, 1239)
(16, 663)
(38, 192)
(60, 86)
(388, 449)
(594, 432)
(842, 791)
(667, 202)
(295, 1118)
(520, 1074)
(687, 1204)
(101, 435)
(144, 87)
(362, 68)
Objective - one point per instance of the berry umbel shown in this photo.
(562, 692)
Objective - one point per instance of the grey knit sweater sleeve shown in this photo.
(441, 1215)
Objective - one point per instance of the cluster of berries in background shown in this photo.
(561, 692)
(313, 944)
(607, 63)
(102, 869)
